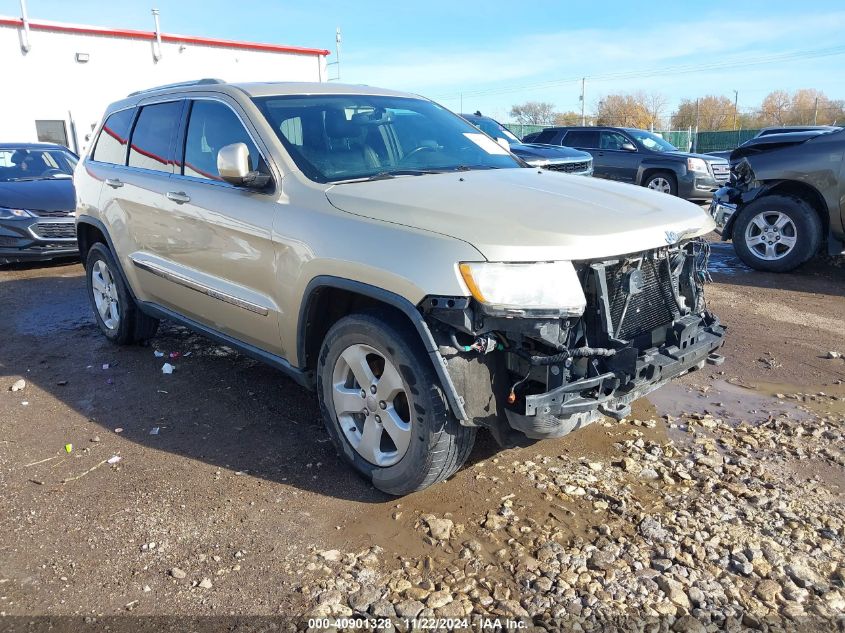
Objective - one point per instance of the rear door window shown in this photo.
(114, 137)
(588, 139)
(212, 126)
(546, 136)
(152, 137)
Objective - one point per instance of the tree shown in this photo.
(534, 113)
(623, 110)
(655, 104)
(568, 118)
(708, 113)
(775, 109)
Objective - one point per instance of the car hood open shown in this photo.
(528, 214)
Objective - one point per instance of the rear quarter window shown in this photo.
(114, 137)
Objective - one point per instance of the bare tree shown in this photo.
(534, 113)
(775, 109)
(655, 105)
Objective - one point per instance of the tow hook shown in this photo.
(616, 412)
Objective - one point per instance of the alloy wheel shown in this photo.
(771, 235)
(660, 184)
(106, 297)
(371, 405)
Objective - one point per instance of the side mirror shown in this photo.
(628, 147)
(233, 167)
(504, 143)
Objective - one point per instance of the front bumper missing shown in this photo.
(721, 213)
(576, 404)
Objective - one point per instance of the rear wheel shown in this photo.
(384, 409)
(115, 311)
(662, 181)
(777, 233)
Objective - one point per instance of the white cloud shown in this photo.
(448, 70)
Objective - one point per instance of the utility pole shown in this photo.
(736, 100)
(816, 112)
(337, 40)
(583, 118)
(695, 138)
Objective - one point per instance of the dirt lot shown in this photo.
(229, 499)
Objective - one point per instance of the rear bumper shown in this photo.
(576, 404)
(35, 239)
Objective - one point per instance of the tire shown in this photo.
(418, 442)
(793, 226)
(122, 323)
(663, 181)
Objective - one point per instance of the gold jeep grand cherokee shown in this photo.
(382, 251)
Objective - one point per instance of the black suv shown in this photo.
(643, 158)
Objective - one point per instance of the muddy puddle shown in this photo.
(724, 260)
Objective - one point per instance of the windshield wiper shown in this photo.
(387, 175)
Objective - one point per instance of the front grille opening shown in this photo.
(649, 308)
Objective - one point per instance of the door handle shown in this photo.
(114, 183)
(179, 197)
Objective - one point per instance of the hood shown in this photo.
(41, 195)
(535, 151)
(774, 141)
(710, 158)
(527, 214)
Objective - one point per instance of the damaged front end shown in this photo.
(539, 376)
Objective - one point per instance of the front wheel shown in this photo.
(662, 181)
(777, 233)
(383, 406)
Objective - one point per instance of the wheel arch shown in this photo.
(327, 299)
(649, 170)
(794, 188)
(90, 231)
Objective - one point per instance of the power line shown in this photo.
(670, 70)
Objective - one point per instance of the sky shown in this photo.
(488, 56)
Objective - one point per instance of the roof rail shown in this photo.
(180, 84)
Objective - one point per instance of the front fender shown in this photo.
(650, 164)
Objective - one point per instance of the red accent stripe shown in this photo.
(165, 37)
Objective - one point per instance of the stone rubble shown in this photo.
(724, 528)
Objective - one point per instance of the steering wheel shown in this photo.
(53, 171)
(417, 150)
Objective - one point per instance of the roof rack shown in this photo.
(180, 84)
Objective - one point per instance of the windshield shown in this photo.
(493, 128)
(652, 141)
(334, 138)
(20, 163)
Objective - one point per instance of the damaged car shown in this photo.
(385, 253)
(784, 202)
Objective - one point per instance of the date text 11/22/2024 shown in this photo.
(449, 624)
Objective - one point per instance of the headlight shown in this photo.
(697, 164)
(11, 214)
(539, 289)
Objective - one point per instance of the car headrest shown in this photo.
(337, 126)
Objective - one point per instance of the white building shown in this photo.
(57, 78)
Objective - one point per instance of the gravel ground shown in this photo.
(718, 504)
